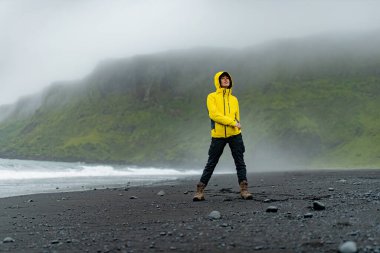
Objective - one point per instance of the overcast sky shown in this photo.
(42, 41)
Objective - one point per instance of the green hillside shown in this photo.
(307, 102)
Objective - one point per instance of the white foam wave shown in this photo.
(91, 171)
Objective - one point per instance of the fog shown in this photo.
(42, 41)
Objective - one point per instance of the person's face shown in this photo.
(225, 81)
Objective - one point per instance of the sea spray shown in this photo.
(20, 177)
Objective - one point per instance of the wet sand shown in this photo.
(136, 219)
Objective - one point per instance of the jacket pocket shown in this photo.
(219, 129)
(232, 131)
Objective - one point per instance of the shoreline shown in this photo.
(136, 219)
(102, 185)
(59, 187)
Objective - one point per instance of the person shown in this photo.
(223, 110)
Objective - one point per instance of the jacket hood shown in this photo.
(217, 82)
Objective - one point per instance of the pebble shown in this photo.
(331, 189)
(267, 200)
(272, 209)
(8, 239)
(354, 233)
(348, 247)
(318, 205)
(214, 215)
(161, 193)
(133, 197)
(308, 215)
(258, 247)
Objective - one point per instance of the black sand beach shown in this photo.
(136, 219)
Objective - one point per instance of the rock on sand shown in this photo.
(214, 215)
(348, 247)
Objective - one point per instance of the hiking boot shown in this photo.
(244, 193)
(199, 195)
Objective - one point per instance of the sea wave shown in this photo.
(89, 171)
(22, 177)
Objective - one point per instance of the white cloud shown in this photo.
(42, 41)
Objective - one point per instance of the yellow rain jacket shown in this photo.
(223, 109)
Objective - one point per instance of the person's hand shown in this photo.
(238, 125)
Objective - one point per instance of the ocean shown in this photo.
(22, 177)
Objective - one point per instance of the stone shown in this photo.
(226, 190)
(354, 233)
(348, 247)
(331, 189)
(214, 215)
(161, 193)
(133, 197)
(318, 206)
(308, 215)
(8, 240)
(272, 209)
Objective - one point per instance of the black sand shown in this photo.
(111, 221)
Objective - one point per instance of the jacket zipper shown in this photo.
(224, 105)
(228, 98)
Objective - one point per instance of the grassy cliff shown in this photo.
(303, 102)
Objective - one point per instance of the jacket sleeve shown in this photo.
(215, 115)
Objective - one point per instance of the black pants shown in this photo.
(216, 150)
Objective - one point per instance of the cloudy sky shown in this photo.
(42, 41)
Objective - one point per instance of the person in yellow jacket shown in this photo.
(223, 110)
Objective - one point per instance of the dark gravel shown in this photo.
(139, 220)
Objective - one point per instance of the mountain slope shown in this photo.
(303, 102)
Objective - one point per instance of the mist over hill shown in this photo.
(310, 102)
